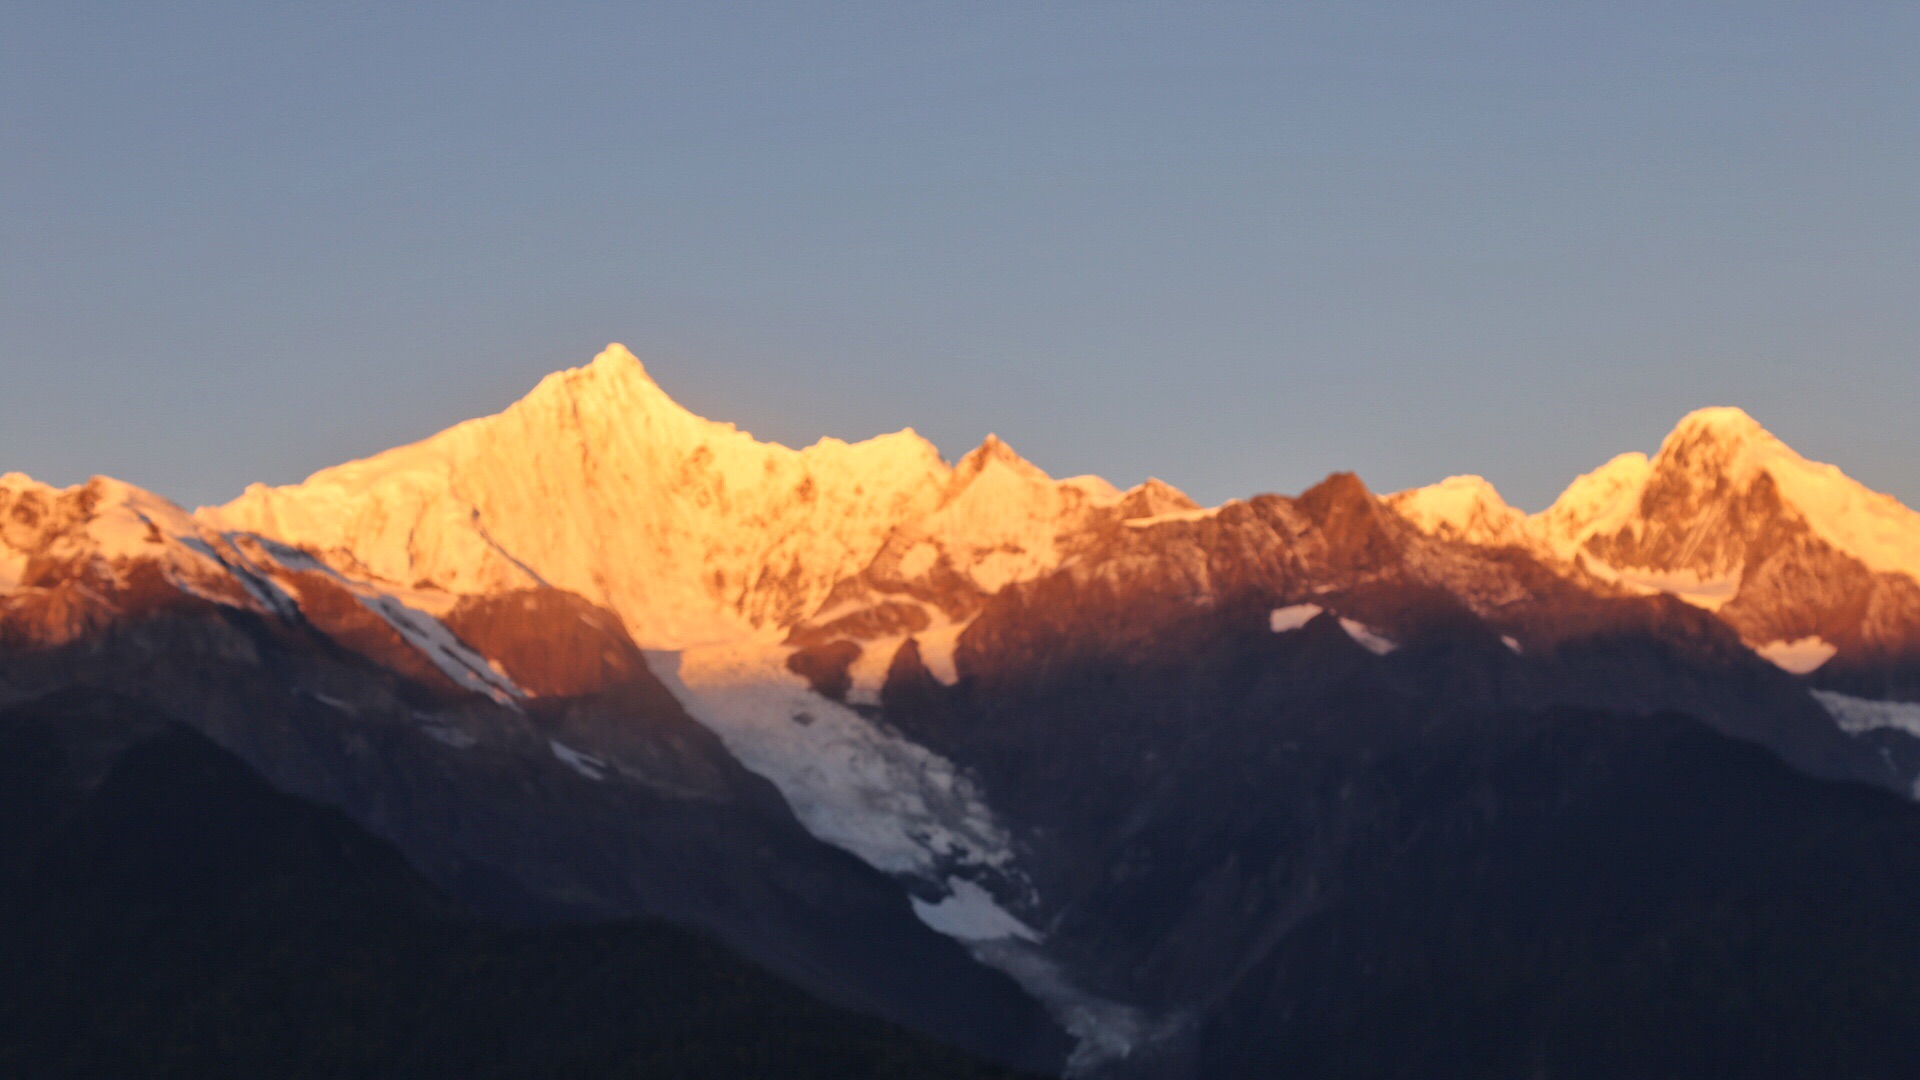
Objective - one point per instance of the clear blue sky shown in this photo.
(1235, 246)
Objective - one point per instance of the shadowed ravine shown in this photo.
(1066, 778)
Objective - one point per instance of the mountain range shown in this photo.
(1078, 780)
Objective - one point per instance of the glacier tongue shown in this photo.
(899, 806)
(970, 913)
(902, 809)
(1857, 715)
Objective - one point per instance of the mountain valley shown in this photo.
(1076, 780)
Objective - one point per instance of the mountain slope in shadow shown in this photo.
(1598, 897)
(164, 912)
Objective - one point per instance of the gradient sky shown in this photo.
(1234, 246)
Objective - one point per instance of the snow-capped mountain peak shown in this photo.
(599, 483)
(1462, 508)
(1599, 501)
(1001, 516)
(1719, 482)
(1727, 517)
(95, 532)
(1725, 425)
(993, 452)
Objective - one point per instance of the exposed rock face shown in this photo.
(550, 643)
(914, 733)
(1199, 782)
(74, 560)
(166, 912)
(599, 484)
(587, 792)
(1703, 500)
(1463, 508)
(1812, 570)
(1000, 521)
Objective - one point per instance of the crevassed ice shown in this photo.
(898, 806)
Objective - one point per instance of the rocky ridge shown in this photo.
(1814, 571)
(964, 675)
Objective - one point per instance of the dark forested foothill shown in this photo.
(163, 912)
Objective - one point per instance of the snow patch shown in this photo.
(1197, 514)
(969, 913)
(1367, 637)
(1857, 716)
(937, 646)
(1105, 1031)
(1712, 594)
(587, 765)
(1293, 617)
(451, 736)
(918, 559)
(868, 672)
(12, 565)
(463, 665)
(467, 668)
(1800, 656)
(937, 643)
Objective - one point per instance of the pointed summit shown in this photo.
(1724, 441)
(617, 366)
(1153, 498)
(1602, 500)
(1358, 529)
(1720, 484)
(599, 483)
(1462, 508)
(1339, 493)
(617, 358)
(1723, 422)
(993, 449)
(615, 382)
(994, 452)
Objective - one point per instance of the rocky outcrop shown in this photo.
(1812, 570)
(918, 734)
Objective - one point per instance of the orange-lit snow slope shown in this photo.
(712, 547)
(695, 533)
(691, 530)
(1799, 558)
(777, 590)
